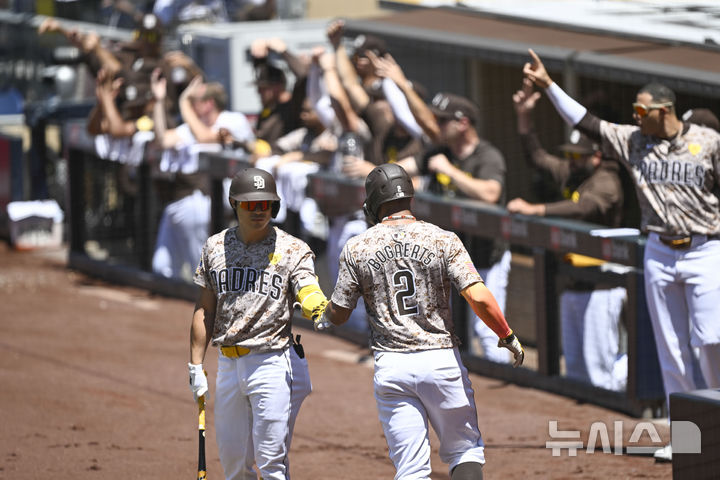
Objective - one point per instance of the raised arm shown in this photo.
(569, 109)
(340, 101)
(298, 67)
(524, 102)
(347, 74)
(89, 43)
(167, 138)
(112, 122)
(202, 133)
(387, 67)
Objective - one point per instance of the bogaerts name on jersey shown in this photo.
(401, 250)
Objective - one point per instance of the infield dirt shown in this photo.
(94, 386)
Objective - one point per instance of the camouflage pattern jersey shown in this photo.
(405, 273)
(255, 286)
(675, 178)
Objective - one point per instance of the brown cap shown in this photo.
(449, 105)
(702, 117)
(579, 143)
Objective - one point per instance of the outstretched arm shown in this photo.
(88, 43)
(569, 109)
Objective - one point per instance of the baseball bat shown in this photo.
(201, 475)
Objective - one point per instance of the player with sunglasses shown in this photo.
(249, 278)
(676, 168)
(592, 192)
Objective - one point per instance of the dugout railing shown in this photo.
(112, 233)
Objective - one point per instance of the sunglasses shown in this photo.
(252, 206)
(642, 110)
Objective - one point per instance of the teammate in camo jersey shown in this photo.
(676, 167)
(250, 276)
(404, 270)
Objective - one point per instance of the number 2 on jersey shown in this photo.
(404, 281)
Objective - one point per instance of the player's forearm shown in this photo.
(159, 124)
(335, 314)
(201, 132)
(349, 80)
(117, 127)
(200, 334)
(569, 109)
(203, 322)
(486, 307)
(485, 190)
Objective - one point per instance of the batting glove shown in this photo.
(513, 344)
(198, 381)
(318, 316)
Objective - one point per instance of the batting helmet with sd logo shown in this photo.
(253, 184)
(386, 182)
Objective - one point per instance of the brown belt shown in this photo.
(678, 242)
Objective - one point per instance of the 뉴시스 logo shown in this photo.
(685, 437)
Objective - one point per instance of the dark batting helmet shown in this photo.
(253, 184)
(385, 183)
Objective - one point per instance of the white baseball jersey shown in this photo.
(405, 273)
(255, 286)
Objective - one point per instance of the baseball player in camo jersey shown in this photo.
(404, 269)
(249, 278)
(676, 168)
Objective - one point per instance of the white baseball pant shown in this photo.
(412, 388)
(181, 235)
(496, 280)
(589, 327)
(257, 399)
(682, 288)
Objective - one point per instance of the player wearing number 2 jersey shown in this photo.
(404, 269)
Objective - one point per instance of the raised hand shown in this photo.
(276, 44)
(524, 100)
(335, 32)
(535, 71)
(194, 88)
(158, 84)
(259, 48)
(387, 67)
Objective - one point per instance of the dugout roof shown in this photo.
(616, 56)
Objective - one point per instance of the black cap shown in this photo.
(449, 105)
(268, 75)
